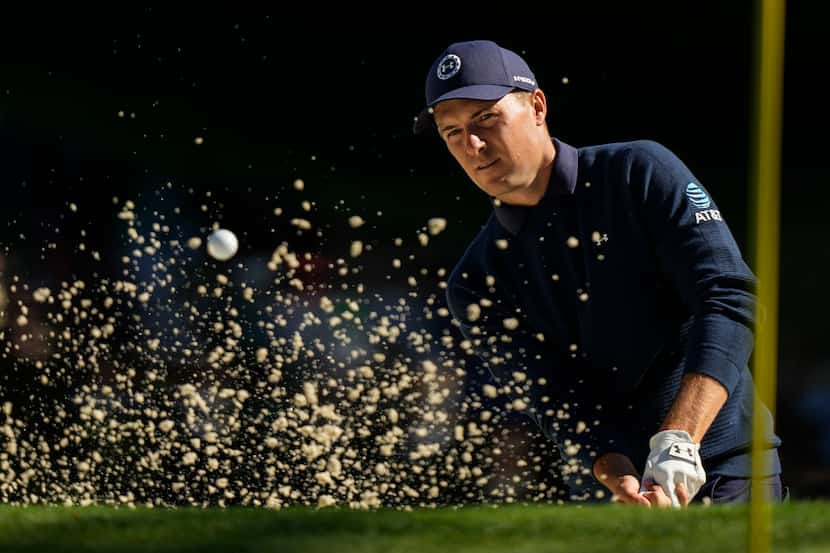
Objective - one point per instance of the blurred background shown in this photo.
(232, 106)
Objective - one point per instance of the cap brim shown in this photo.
(425, 119)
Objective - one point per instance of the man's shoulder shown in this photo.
(632, 149)
(633, 162)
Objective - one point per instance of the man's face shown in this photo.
(499, 144)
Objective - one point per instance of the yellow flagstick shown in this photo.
(766, 175)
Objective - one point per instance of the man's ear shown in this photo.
(540, 106)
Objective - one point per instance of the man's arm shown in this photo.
(674, 455)
(696, 250)
(698, 402)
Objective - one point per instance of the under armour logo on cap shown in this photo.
(449, 67)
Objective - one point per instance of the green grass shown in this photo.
(802, 527)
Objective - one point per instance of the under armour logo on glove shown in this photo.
(684, 452)
(674, 459)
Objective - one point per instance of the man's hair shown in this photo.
(525, 93)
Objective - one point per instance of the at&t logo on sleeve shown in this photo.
(700, 201)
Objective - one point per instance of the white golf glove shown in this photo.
(674, 459)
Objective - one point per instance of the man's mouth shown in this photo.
(486, 165)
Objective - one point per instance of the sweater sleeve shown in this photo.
(699, 255)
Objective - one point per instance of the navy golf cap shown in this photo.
(476, 70)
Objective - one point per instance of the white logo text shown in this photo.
(707, 215)
(524, 80)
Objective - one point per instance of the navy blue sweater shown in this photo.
(622, 279)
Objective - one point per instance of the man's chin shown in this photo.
(504, 192)
(497, 190)
(517, 195)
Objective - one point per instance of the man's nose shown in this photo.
(474, 144)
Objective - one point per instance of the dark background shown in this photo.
(330, 98)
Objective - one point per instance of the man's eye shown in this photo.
(485, 117)
(452, 133)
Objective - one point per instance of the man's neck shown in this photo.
(533, 194)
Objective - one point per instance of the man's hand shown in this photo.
(627, 491)
(616, 472)
(658, 498)
(674, 465)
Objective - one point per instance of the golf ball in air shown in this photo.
(222, 244)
